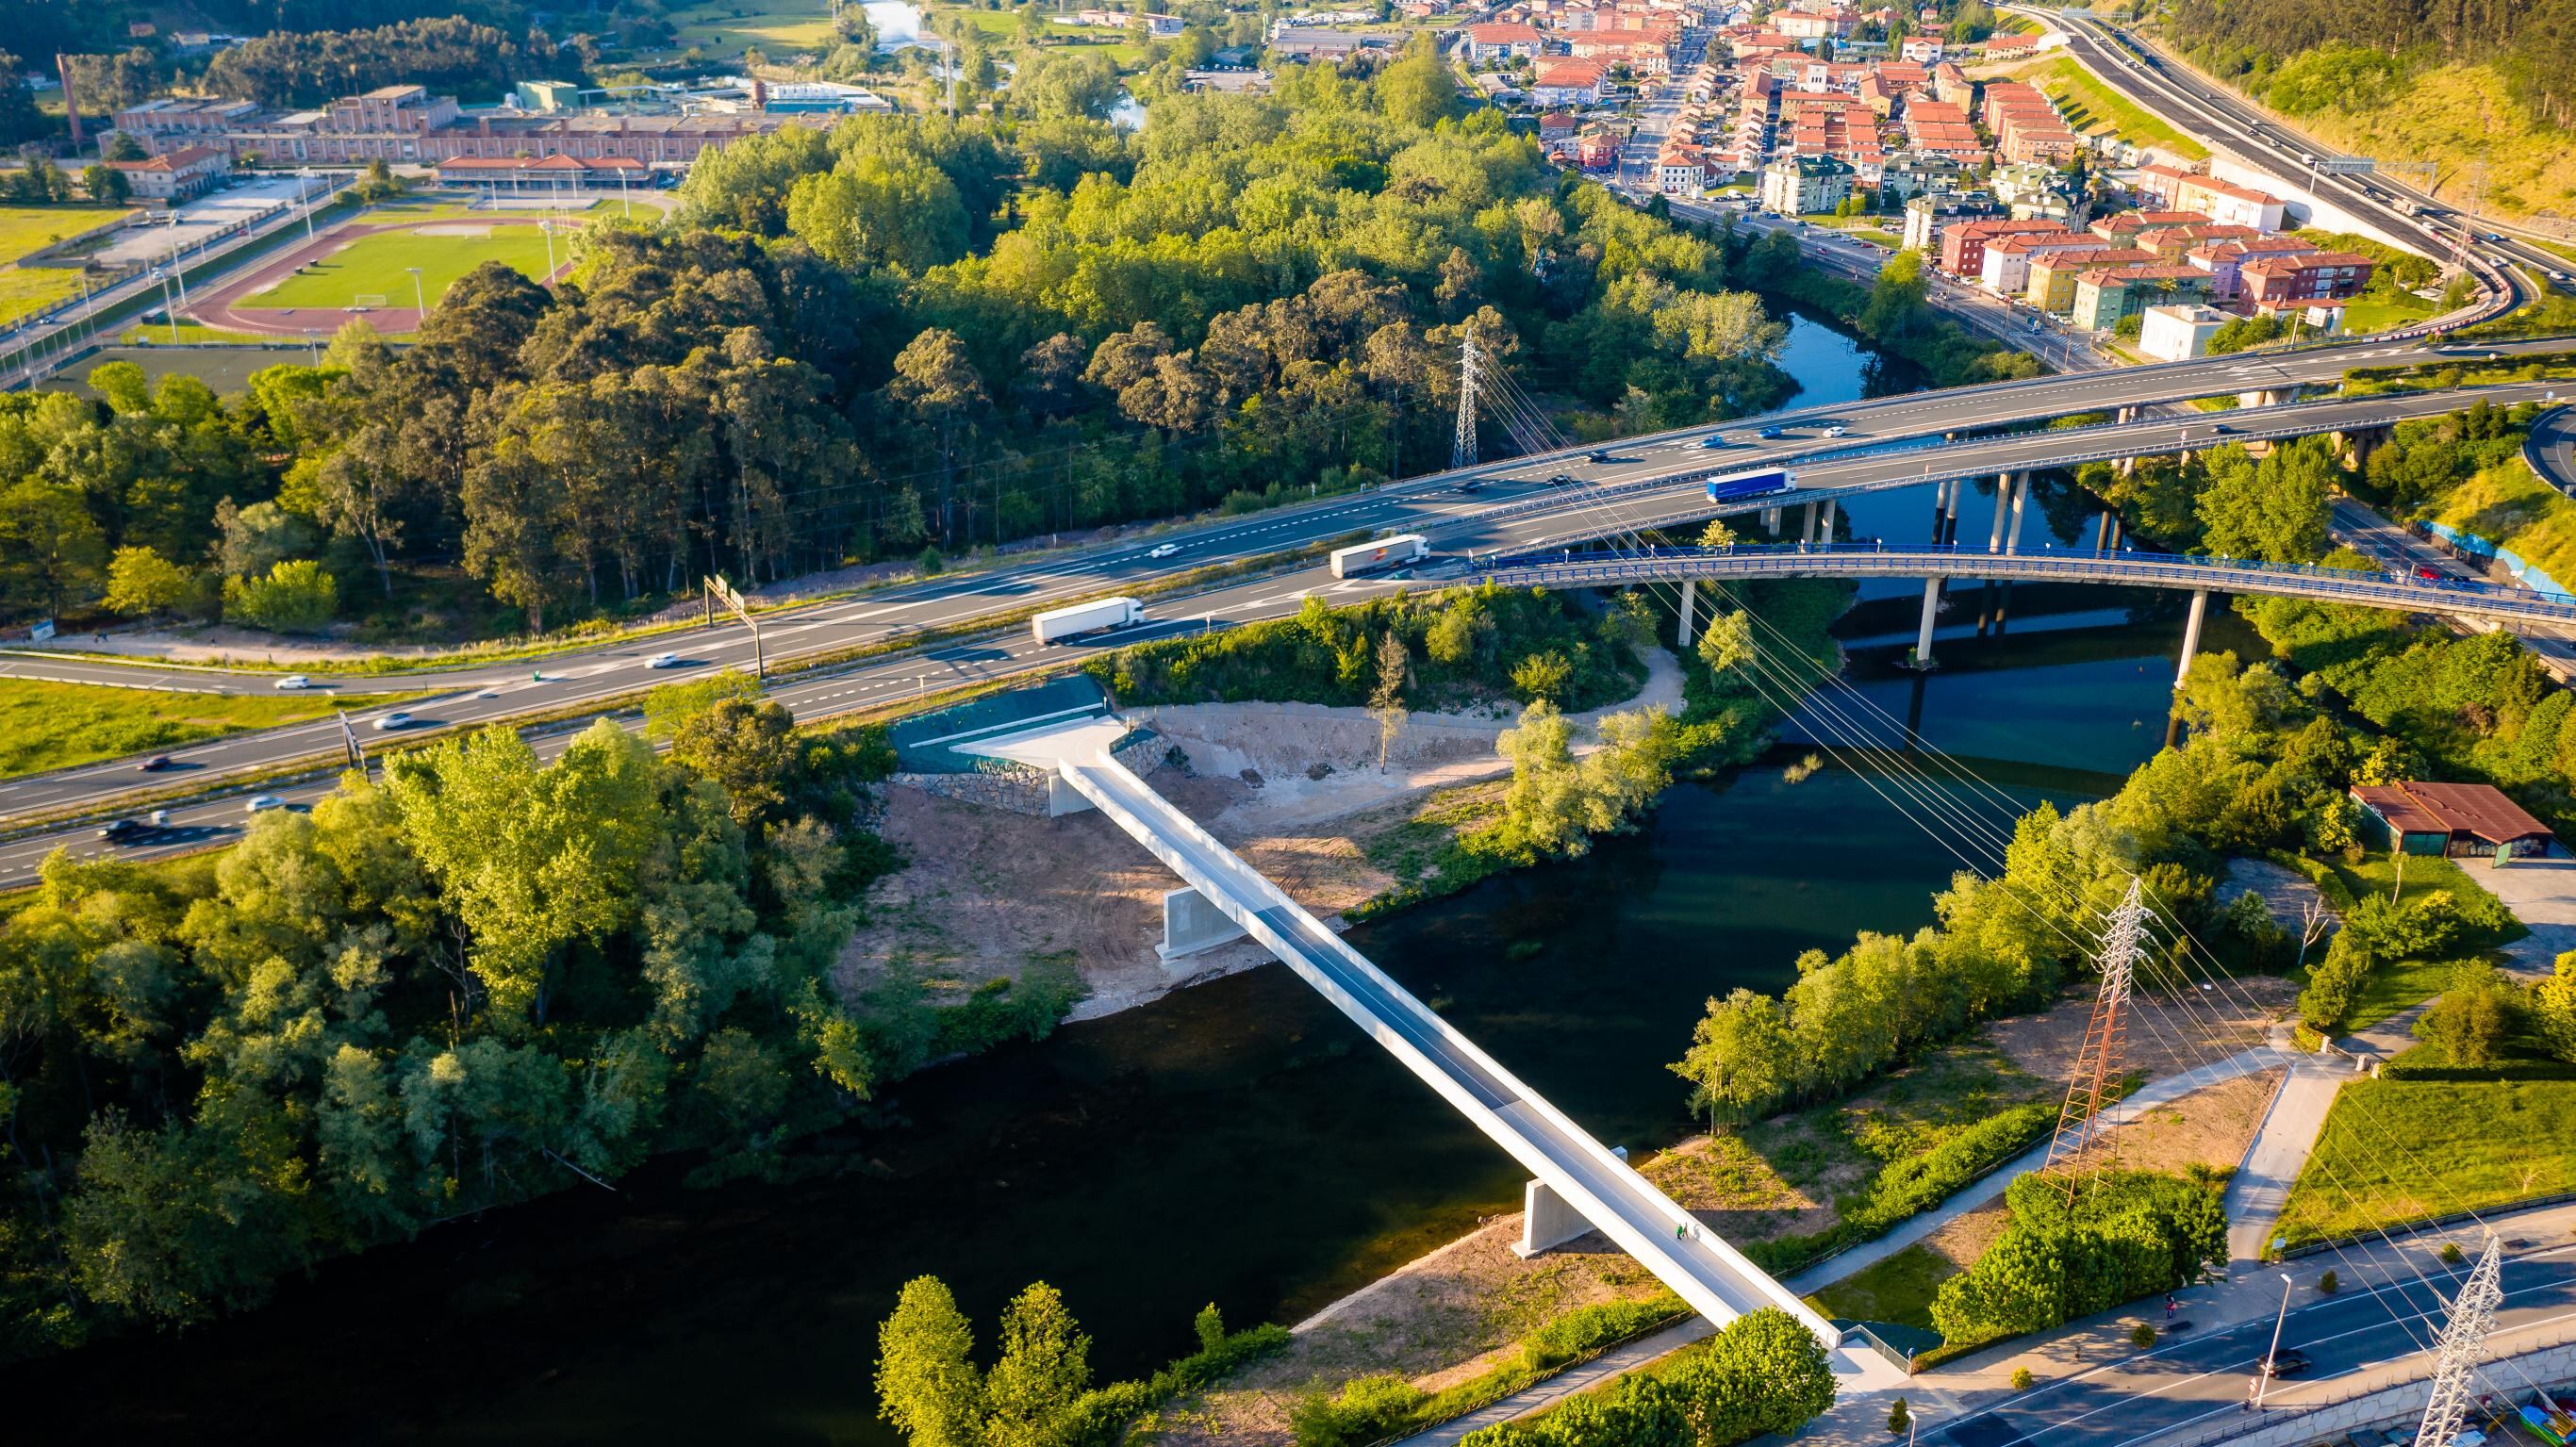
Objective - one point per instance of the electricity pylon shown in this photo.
(2464, 1342)
(1462, 452)
(2097, 1067)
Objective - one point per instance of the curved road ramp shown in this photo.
(1579, 1184)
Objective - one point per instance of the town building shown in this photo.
(406, 124)
(178, 174)
(2179, 333)
(2051, 283)
(2310, 279)
(2005, 270)
(2222, 259)
(1304, 43)
(2105, 295)
(1560, 81)
(1928, 216)
(2414, 817)
(1805, 185)
(1963, 246)
(1491, 42)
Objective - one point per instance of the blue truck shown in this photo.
(1759, 483)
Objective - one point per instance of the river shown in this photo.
(1237, 1142)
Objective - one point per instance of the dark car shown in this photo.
(1473, 484)
(2221, 430)
(154, 764)
(121, 830)
(1768, 433)
(2287, 1362)
(1599, 454)
(1560, 479)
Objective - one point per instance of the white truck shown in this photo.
(1055, 625)
(1368, 557)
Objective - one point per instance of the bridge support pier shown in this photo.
(1771, 521)
(1547, 1221)
(1948, 532)
(2127, 414)
(1192, 924)
(1940, 499)
(1825, 522)
(1923, 635)
(2191, 634)
(1690, 602)
(2021, 496)
(2003, 504)
(1807, 524)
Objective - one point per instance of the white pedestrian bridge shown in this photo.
(1577, 1184)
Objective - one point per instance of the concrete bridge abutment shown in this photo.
(1548, 1220)
(1192, 924)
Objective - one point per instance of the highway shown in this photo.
(2218, 116)
(2202, 1381)
(1508, 513)
(2551, 448)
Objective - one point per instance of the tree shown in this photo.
(744, 746)
(142, 583)
(530, 858)
(1418, 90)
(936, 383)
(378, 183)
(2553, 1009)
(1897, 1419)
(296, 596)
(876, 209)
(1739, 1060)
(927, 1385)
(123, 147)
(1067, 83)
(2275, 510)
(1717, 534)
(105, 184)
(1386, 699)
(1043, 1369)
(2471, 1019)
(1543, 677)
(1727, 642)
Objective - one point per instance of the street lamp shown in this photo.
(2263, 1369)
(546, 228)
(420, 299)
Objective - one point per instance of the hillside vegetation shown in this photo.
(2410, 80)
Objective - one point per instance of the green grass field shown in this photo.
(376, 265)
(2397, 1150)
(2375, 314)
(1899, 1289)
(33, 228)
(776, 26)
(57, 725)
(192, 334)
(25, 289)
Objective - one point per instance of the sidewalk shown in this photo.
(2279, 1151)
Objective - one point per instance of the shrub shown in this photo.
(2142, 1336)
(1365, 1409)
(1588, 1329)
(1897, 1417)
(296, 596)
(2130, 1234)
(2021, 1379)
(2329, 1283)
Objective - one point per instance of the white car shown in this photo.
(1164, 551)
(294, 681)
(663, 660)
(1837, 430)
(395, 720)
(262, 803)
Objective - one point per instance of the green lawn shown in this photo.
(25, 289)
(2398, 985)
(33, 228)
(2378, 314)
(2399, 1150)
(2401, 984)
(192, 334)
(376, 265)
(57, 725)
(776, 26)
(1899, 1289)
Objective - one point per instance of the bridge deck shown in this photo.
(1707, 1273)
(2146, 570)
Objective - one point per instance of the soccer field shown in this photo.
(376, 265)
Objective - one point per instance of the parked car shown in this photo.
(395, 720)
(663, 660)
(154, 764)
(294, 681)
(262, 803)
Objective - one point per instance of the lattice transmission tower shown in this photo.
(2464, 1342)
(2097, 1067)
(1462, 452)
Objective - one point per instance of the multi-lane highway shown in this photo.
(2220, 117)
(1499, 507)
(2202, 1382)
